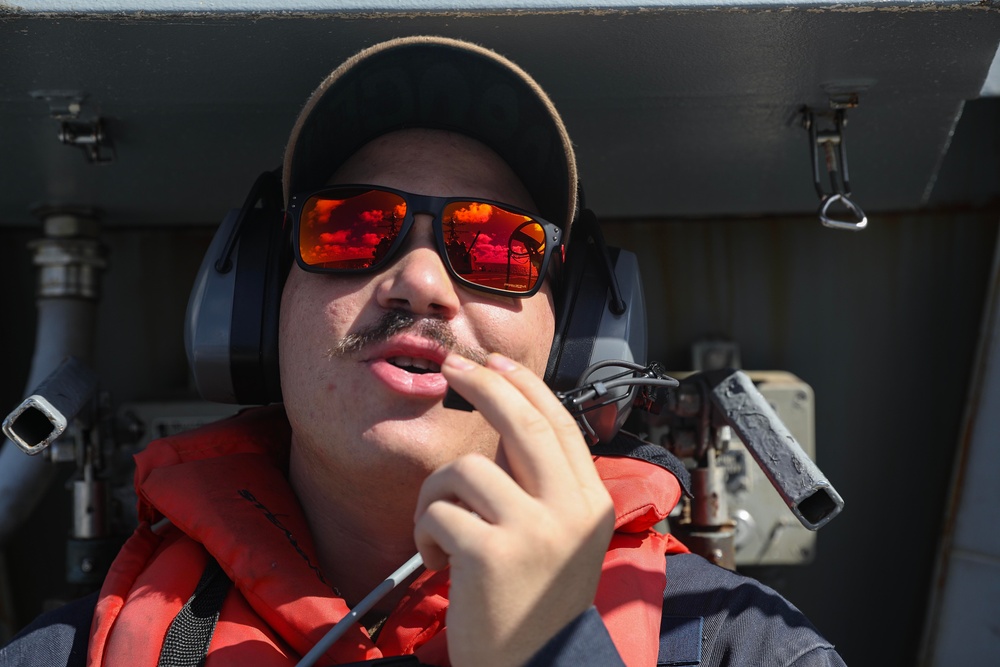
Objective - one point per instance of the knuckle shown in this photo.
(434, 514)
(535, 425)
(589, 508)
(468, 465)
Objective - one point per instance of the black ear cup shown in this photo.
(231, 333)
(600, 316)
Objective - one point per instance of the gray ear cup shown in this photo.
(231, 329)
(597, 320)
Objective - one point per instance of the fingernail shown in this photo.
(500, 363)
(458, 362)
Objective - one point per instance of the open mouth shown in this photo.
(415, 365)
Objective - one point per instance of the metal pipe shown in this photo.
(707, 528)
(70, 260)
(44, 416)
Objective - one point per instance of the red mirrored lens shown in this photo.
(350, 229)
(492, 247)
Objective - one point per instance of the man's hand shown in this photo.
(525, 548)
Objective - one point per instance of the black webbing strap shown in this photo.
(190, 633)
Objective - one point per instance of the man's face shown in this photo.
(377, 411)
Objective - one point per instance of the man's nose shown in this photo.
(418, 280)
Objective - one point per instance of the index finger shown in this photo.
(541, 440)
(573, 444)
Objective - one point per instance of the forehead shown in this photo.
(434, 162)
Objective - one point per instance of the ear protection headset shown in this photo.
(231, 328)
(600, 316)
(231, 325)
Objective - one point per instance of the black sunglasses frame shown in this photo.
(433, 206)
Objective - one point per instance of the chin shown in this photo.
(427, 443)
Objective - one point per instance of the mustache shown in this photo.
(397, 321)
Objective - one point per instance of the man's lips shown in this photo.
(409, 365)
(423, 352)
(416, 365)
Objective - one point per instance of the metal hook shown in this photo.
(835, 157)
(860, 219)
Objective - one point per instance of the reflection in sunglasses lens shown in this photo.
(492, 247)
(352, 231)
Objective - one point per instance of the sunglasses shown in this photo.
(485, 245)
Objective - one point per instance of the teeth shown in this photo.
(415, 364)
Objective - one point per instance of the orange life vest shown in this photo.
(224, 490)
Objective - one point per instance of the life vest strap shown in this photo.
(190, 633)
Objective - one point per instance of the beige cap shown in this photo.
(439, 83)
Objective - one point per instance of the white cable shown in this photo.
(360, 609)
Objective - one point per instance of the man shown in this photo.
(429, 188)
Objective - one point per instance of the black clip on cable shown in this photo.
(594, 395)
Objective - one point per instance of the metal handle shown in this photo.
(834, 147)
(859, 222)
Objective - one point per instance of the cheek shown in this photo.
(542, 344)
(541, 325)
(317, 308)
(314, 316)
(525, 336)
(301, 319)
(295, 345)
